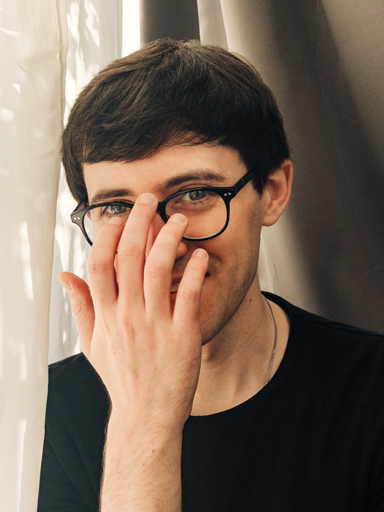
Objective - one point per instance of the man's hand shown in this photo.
(146, 351)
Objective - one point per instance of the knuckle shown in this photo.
(190, 295)
(155, 270)
(95, 267)
(126, 324)
(122, 330)
(129, 251)
(76, 309)
(81, 307)
(167, 242)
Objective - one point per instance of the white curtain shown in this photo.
(48, 51)
(33, 45)
(94, 40)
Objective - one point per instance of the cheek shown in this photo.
(243, 242)
(243, 232)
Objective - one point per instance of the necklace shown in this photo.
(274, 343)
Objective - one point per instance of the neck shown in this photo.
(235, 363)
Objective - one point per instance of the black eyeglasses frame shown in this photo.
(226, 193)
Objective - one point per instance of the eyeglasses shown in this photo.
(206, 208)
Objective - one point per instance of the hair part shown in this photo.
(173, 92)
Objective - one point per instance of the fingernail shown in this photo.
(200, 253)
(177, 218)
(147, 198)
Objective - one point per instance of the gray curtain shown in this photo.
(168, 18)
(324, 62)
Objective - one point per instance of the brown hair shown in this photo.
(172, 92)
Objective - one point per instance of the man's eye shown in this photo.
(116, 209)
(194, 195)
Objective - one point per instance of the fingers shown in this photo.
(82, 308)
(142, 283)
(101, 270)
(131, 252)
(187, 307)
(159, 265)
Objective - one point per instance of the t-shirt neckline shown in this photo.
(269, 392)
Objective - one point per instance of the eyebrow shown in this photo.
(108, 193)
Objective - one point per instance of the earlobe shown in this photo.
(277, 192)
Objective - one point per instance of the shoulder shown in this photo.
(71, 371)
(75, 390)
(338, 338)
(328, 331)
(334, 357)
(73, 375)
(75, 423)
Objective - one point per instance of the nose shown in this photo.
(156, 225)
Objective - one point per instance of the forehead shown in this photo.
(169, 168)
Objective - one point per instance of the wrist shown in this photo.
(147, 421)
(142, 467)
(143, 434)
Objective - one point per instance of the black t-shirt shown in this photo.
(312, 440)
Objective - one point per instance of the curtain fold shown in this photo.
(37, 87)
(323, 60)
(94, 40)
(33, 52)
(168, 18)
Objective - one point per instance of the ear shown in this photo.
(276, 193)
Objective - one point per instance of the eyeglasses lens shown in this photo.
(206, 213)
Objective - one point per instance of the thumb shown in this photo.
(82, 308)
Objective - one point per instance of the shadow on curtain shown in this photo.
(31, 119)
(323, 60)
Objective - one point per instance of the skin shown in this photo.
(162, 360)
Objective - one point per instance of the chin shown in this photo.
(221, 306)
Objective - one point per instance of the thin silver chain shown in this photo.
(274, 343)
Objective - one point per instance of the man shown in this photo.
(197, 392)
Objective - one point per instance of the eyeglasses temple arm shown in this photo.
(243, 181)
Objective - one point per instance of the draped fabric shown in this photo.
(49, 50)
(33, 51)
(94, 40)
(323, 60)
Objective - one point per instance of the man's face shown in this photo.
(231, 282)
